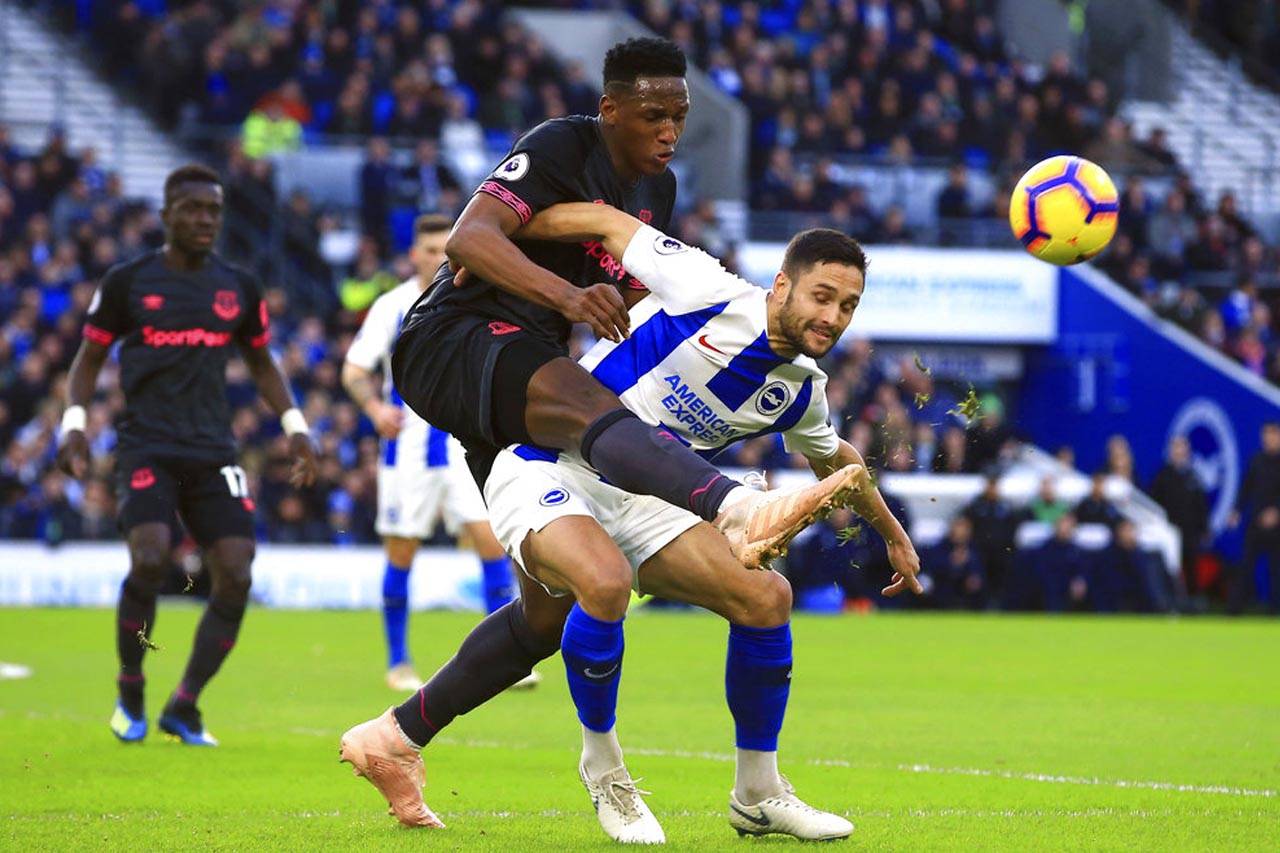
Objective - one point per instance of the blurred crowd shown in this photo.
(1062, 556)
(434, 69)
(830, 83)
(63, 222)
(831, 86)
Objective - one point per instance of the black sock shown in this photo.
(135, 611)
(215, 637)
(646, 460)
(497, 653)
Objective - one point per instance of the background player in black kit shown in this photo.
(177, 313)
(487, 361)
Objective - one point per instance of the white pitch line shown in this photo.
(1089, 780)
(1049, 778)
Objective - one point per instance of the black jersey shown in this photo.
(560, 160)
(176, 331)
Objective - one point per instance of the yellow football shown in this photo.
(1064, 210)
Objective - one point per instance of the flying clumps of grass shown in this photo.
(969, 407)
(145, 641)
(845, 535)
(922, 399)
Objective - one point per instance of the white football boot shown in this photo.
(621, 808)
(786, 814)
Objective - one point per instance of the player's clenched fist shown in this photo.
(601, 307)
(73, 454)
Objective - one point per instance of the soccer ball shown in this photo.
(1064, 210)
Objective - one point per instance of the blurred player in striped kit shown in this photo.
(422, 477)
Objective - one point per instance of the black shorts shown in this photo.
(469, 376)
(211, 498)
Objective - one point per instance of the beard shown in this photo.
(793, 330)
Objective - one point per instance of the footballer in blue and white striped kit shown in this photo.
(422, 474)
(714, 360)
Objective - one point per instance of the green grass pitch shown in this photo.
(929, 732)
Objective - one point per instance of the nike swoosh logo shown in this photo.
(703, 340)
(758, 821)
(587, 671)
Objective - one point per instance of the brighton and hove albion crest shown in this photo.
(1215, 455)
(773, 398)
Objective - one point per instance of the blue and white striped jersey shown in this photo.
(419, 444)
(698, 361)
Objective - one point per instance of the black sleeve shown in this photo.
(541, 170)
(662, 218)
(108, 316)
(255, 327)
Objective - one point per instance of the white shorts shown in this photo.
(526, 495)
(411, 500)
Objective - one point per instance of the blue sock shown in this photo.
(395, 612)
(592, 652)
(497, 582)
(757, 682)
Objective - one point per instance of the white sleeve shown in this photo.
(376, 335)
(681, 276)
(813, 436)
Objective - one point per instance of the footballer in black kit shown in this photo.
(178, 314)
(452, 339)
(486, 357)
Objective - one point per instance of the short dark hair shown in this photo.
(632, 59)
(431, 223)
(819, 246)
(196, 173)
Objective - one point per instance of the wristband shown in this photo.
(294, 422)
(72, 419)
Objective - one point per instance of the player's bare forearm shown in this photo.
(360, 385)
(577, 221)
(867, 501)
(481, 242)
(83, 377)
(269, 378)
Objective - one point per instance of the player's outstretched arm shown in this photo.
(73, 446)
(869, 504)
(682, 276)
(481, 243)
(573, 222)
(274, 388)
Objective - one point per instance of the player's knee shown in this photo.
(766, 603)
(607, 592)
(148, 564)
(400, 552)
